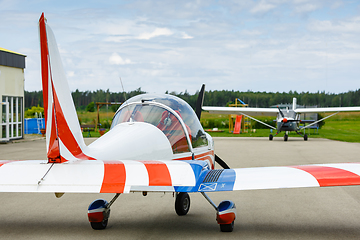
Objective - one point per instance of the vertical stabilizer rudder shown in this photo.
(64, 139)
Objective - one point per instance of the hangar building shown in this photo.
(12, 79)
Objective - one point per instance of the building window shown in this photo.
(11, 117)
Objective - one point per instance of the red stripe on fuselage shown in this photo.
(159, 174)
(196, 156)
(114, 177)
(201, 157)
(329, 176)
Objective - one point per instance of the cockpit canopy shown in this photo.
(287, 114)
(172, 115)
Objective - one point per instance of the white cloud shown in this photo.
(348, 26)
(337, 4)
(115, 59)
(186, 36)
(157, 32)
(251, 32)
(262, 7)
(305, 8)
(70, 73)
(300, 1)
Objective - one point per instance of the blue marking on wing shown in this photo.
(226, 180)
(199, 173)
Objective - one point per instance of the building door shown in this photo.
(4, 136)
(12, 118)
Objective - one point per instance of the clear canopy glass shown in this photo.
(140, 109)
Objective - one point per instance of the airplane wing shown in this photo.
(95, 176)
(242, 110)
(329, 109)
(323, 175)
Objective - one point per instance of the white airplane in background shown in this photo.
(155, 144)
(286, 120)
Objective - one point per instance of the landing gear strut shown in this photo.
(99, 212)
(225, 214)
(305, 136)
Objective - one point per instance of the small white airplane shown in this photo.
(286, 120)
(155, 144)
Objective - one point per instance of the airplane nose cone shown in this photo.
(285, 120)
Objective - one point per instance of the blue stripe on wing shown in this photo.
(200, 171)
(209, 180)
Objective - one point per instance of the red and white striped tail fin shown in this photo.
(64, 140)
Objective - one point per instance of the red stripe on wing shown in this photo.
(4, 162)
(114, 177)
(329, 176)
(159, 174)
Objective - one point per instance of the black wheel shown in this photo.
(271, 137)
(99, 225)
(227, 227)
(182, 203)
(285, 137)
(305, 137)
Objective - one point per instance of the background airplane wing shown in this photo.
(239, 110)
(329, 109)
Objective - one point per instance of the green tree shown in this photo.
(90, 107)
(34, 112)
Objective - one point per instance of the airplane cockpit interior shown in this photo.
(173, 116)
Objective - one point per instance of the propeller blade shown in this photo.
(281, 113)
(200, 101)
(279, 129)
(221, 162)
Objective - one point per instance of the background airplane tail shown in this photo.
(64, 140)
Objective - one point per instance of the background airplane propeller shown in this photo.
(200, 101)
(199, 104)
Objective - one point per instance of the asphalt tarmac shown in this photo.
(306, 213)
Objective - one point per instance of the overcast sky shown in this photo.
(266, 45)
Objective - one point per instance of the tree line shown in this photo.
(213, 98)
